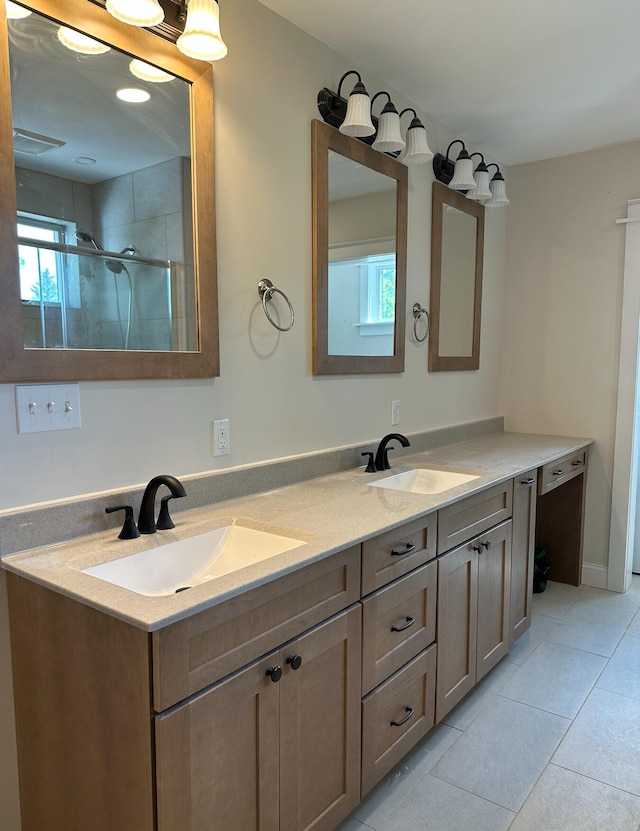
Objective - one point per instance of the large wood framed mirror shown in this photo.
(107, 220)
(359, 256)
(457, 250)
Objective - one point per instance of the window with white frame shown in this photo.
(47, 275)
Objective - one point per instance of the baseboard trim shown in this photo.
(594, 575)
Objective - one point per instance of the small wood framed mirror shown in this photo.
(457, 250)
(359, 256)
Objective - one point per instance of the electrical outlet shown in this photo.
(221, 437)
(47, 407)
(395, 413)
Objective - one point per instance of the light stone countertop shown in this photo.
(330, 513)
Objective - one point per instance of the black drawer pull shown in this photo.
(409, 547)
(486, 544)
(478, 547)
(410, 622)
(577, 463)
(275, 673)
(528, 481)
(294, 661)
(403, 720)
(559, 472)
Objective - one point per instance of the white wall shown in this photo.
(565, 264)
(265, 99)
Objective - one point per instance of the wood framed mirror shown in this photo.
(107, 222)
(457, 250)
(359, 256)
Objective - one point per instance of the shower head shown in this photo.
(83, 236)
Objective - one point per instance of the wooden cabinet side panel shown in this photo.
(494, 598)
(522, 553)
(83, 719)
(457, 627)
(320, 726)
(218, 756)
(200, 650)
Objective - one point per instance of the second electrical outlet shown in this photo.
(221, 437)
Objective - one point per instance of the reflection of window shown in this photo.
(378, 289)
(46, 276)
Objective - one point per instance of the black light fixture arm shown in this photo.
(456, 141)
(497, 175)
(482, 167)
(346, 75)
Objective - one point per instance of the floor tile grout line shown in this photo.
(593, 779)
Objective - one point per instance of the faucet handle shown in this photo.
(165, 522)
(129, 529)
(371, 468)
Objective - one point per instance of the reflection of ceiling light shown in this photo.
(136, 12)
(86, 160)
(133, 95)
(78, 42)
(16, 12)
(146, 72)
(201, 38)
(34, 144)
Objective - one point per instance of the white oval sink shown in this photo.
(179, 565)
(425, 480)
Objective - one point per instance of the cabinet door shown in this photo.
(320, 726)
(522, 553)
(494, 597)
(457, 627)
(218, 758)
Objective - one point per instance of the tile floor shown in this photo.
(548, 741)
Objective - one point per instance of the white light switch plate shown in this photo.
(47, 407)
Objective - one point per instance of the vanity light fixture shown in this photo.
(15, 12)
(353, 117)
(78, 42)
(388, 137)
(480, 192)
(136, 12)
(201, 38)
(498, 190)
(145, 72)
(459, 176)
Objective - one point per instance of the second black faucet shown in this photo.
(381, 461)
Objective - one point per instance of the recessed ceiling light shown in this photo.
(146, 72)
(16, 12)
(133, 95)
(78, 42)
(86, 160)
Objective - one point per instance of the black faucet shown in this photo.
(382, 459)
(146, 518)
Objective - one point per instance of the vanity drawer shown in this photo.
(396, 715)
(397, 552)
(199, 650)
(474, 515)
(560, 471)
(397, 623)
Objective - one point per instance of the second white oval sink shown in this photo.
(425, 480)
(179, 565)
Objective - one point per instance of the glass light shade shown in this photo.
(16, 12)
(463, 174)
(78, 42)
(132, 95)
(136, 12)
(389, 138)
(149, 73)
(498, 194)
(418, 150)
(481, 190)
(201, 38)
(357, 121)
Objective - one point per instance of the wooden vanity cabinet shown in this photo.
(274, 747)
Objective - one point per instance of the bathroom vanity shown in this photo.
(276, 697)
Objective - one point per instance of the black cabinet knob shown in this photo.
(275, 673)
(294, 661)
